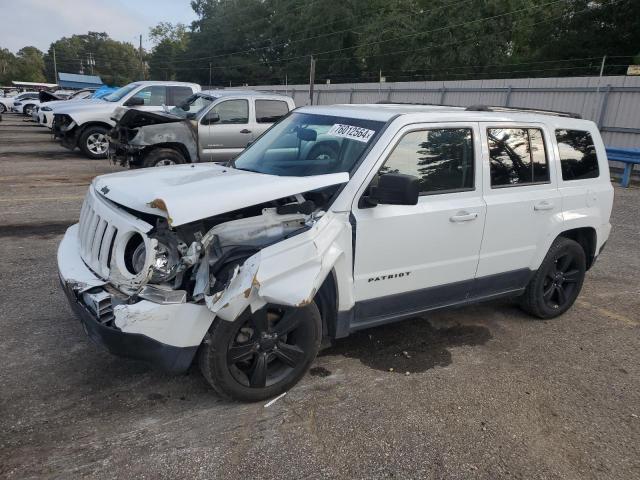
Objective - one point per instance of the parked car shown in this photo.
(7, 103)
(249, 266)
(86, 124)
(45, 113)
(214, 125)
(48, 101)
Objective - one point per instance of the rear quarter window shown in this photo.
(578, 158)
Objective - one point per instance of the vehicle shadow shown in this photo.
(413, 345)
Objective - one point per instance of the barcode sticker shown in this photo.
(353, 133)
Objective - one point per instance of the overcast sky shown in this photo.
(40, 22)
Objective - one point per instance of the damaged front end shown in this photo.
(137, 132)
(65, 129)
(138, 274)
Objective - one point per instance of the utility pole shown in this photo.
(209, 74)
(312, 78)
(141, 62)
(597, 96)
(55, 66)
(91, 62)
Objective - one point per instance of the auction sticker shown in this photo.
(353, 133)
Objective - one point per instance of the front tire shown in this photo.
(94, 143)
(261, 354)
(162, 157)
(2, 108)
(28, 110)
(557, 283)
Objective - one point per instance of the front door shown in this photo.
(225, 130)
(409, 258)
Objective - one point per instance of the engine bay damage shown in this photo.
(137, 132)
(270, 253)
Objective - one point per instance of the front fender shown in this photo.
(292, 271)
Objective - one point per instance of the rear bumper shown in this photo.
(133, 330)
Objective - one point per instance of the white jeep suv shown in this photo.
(248, 267)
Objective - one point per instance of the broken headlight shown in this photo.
(164, 262)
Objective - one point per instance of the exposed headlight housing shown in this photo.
(163, 265)
(46, 109)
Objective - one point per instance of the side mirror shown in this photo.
(394, 189)
(134, 102)
(211, 118)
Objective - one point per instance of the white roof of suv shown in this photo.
(443, 113)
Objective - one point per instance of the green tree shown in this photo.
(29, 65)
(117, 63)
(7, 66)
(170, 45)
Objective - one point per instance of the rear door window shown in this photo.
(270, 111)
(517, 157)
(578, 157)
(178, 95)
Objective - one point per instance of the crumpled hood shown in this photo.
(186, 193)
(55, 104)
(132, 117)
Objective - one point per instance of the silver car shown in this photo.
(210, 126)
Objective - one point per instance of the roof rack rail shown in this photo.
(389, 102)
(489, 108)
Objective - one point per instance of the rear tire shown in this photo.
(557, 283)
(262, 354)
(2, 108)
(28, 110)
(161, 157)
(94, 143)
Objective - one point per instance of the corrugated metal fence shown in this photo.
(612, 102)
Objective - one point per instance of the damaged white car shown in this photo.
(247, 268)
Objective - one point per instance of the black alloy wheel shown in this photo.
(561, 281)
(557, 283)
(268, 347)
(261, 354)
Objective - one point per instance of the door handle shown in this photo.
(464, 217)
(544, 205)
(245, 131)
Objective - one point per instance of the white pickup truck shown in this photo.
(248, 267)
(85, 124)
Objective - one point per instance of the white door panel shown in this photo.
(421, 244)
(520, 218)
(404, 248)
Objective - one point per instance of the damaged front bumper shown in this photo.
(64, 128)
(124, 154)
(166, 335)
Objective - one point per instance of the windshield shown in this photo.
(120, 93)
(304, 144)
(192, 105)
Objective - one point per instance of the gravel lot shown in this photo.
(491, 393)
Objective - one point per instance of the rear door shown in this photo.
(524, 206)
(225, 130)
